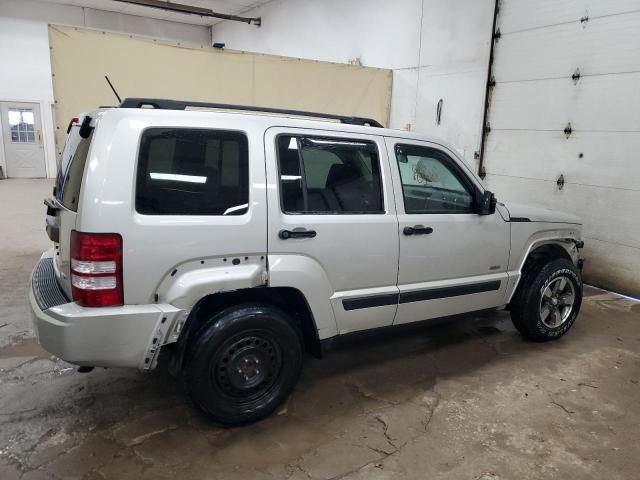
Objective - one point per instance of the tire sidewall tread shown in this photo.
(525, 310)
(214, 332)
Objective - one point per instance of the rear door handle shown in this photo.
(296, 233)
(417, 230)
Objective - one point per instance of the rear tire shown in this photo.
(548, 300)
(243, 364)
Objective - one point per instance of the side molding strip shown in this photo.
(418, 296)
(372, 301)
(445, 292)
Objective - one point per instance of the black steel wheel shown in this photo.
(247, 365)
(243, 363)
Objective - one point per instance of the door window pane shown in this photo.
(329, 175)
(21, 122)
(192, 172)
(431, 182)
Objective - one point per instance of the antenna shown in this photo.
(113, 89)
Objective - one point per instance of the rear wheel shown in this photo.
(243, 364)
(548, 300)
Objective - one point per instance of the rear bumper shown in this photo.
(127, 336)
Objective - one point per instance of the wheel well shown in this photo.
(544, 253)
(537, 256)
(289, 299)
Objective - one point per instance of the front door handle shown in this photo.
(296, 233)
(417, 230)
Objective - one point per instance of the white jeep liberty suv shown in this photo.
(245, 238)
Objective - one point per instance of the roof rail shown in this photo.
(165, 104)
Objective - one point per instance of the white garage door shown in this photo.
(542, 45)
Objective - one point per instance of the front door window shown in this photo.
(431, 183)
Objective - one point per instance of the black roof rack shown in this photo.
(164, 104)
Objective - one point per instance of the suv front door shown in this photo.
(452, 260)
(333, 229)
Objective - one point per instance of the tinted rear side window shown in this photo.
(192, 172)
(72, 178)
(329, 175)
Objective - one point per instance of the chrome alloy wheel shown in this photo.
(557, 301)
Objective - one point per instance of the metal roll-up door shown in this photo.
(563, 123)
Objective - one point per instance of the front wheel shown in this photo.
(243, 364)
(548, 301)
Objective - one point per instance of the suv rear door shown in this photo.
(62, 209)
(452, 260)
(333, 230)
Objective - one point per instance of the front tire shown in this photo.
(547, 302)
(243, 364)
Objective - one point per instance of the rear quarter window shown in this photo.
(69, 190)
(192, 172)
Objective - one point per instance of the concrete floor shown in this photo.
(466, 400)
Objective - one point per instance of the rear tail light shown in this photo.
(96, 269)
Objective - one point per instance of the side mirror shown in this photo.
(487, 203)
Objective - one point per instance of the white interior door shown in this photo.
(23, 147)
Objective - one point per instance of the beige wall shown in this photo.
(141, 67)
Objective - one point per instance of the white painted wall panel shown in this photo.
(456, 34)
(463, 103)
(381, 33)
(517, 15)
(54, 13)
(606, 45)
(437, 50)
(403, 97)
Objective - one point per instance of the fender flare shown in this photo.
(568, 244)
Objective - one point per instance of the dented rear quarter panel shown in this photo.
(156, 245)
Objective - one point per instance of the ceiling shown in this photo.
(233, 7)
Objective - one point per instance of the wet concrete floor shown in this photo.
(468, 399)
